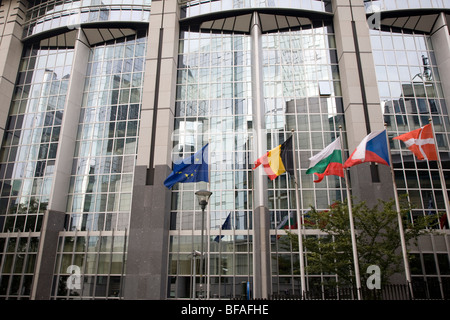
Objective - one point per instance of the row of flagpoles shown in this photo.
(283, 158)
(373, 148)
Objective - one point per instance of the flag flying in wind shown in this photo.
(327, 162)
(278, 160)
(226, 226)
(373, 148)
(287, 223)
(192, 169)
(420, 142)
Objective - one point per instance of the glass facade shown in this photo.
(102, 173)
(30, 144)
(213, 103)
(376, 5)
(302, 92)
(192, 8)
(45, 15)
(215, 93)
(99, 196)
(214, 98)
(411, 94)
(18, 254)
(99, 258)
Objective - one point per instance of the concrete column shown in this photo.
(52, 224)
(261, 244)
(69, 126)
(158, 100)
(362, 108)
(12, 14)
(147, 260)
(440, 38)
(54, 217)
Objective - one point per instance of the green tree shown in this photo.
(377, 237)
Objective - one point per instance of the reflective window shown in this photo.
(302, 92)
(17, 268)
(29, 147)
(106, 146)
(213, 105)
(197, 7)
(376, 5)
(89, 266)
(411, 93)
(46, 15)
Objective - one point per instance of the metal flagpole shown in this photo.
(208, 225)
(400, 221)
(352, 226)
(252, 181)
(441, 173)
(299, 221)
(220, 261)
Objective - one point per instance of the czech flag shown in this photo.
(373, 148)
(420, 142)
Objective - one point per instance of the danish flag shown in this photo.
(420, 142)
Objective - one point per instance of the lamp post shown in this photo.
(195, 253)
(203, 197)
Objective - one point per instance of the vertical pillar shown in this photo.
(54, 217)
(261, 242)
(12, 14)
(440, 38)
(362, 109)
(69, 126)
(147, 265)
(52, 224)
(158, 101)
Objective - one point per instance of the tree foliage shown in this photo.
(377, 237)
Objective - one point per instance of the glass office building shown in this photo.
(101, 97)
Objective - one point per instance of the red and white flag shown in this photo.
(420, 142)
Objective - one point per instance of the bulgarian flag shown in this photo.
(327, 162)
(420, 142)
(287, 223)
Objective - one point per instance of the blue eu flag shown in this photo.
(191, 169)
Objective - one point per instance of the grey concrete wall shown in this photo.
(158, 99)
(440, 38)
(12, 14)
(149, 222)
(52, 224)
(362, 109)
(69, 127)
(146, 272)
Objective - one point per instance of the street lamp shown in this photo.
(203, 197)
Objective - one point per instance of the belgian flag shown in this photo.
(278, 160)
